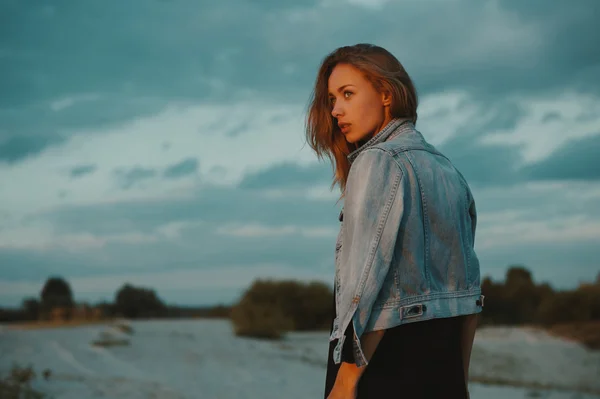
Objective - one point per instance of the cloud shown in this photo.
(258, 230)
(209, 204)
(186, 167)
(507, 91)
(130, 177)
(576, 160)
(16, 148)
(287, 175)
(201, 286)
(82, 170)
(56, 81)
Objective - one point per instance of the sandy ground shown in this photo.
(203, 359)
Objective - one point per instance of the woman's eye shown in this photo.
(347, 94)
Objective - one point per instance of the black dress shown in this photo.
(416, 360)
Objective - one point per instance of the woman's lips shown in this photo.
(344, 127)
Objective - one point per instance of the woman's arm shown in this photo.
(349, 374)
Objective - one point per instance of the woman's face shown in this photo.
(360, 110)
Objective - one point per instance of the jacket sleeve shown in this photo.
(373, 212)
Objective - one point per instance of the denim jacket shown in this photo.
(404, 252)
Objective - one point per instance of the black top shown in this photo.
(415, 360)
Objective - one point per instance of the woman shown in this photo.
(407, 279)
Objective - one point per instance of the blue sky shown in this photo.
(161, 143)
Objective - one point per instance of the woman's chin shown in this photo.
(356, 139)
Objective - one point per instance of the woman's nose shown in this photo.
(336, 111)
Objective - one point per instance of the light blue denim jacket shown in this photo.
(404, 252)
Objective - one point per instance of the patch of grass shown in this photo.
(17, 385)
(257, 320)
(106, 343)
(124, 328)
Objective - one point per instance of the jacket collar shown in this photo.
(392, 129)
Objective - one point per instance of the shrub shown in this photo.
(17, 385)
(259, 320)
(268, 308)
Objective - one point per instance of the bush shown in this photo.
(138, 302)
(259, 320)
(17, 385)
(567, 306)
(518, 300)
(268, 309)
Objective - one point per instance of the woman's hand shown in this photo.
(346, 382)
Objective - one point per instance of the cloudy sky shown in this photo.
(161, 142)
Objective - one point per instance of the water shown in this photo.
(203, 359)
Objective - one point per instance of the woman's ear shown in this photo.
(386, 98)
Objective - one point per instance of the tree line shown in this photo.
(270, 308)
(56, 302)
(519, 300)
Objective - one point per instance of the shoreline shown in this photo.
(50, 324)
(585, 333)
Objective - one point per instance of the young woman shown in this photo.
(407, 279)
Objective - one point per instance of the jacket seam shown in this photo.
(425, 220)
(427, 297)
(369, 264)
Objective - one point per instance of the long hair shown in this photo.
(386, 74)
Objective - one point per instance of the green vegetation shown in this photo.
(17, 385)
(133, 302)
(56, 306)
(268, 308)
(519, 300)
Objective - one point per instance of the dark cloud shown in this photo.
(200, 244)
(128, 178)
(237, 130)
(16, 148)
(204, 241)
(577, 160)
(28, 264)
(82, 170)
(211, 205)
(270, 5)
(484, 165)
(63, 70)
(287, 175)
(184, 168)
(50, 51)
(539, 204)
(29, 130)
(551, 116)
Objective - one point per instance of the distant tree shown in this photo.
(136, 302)
(31, 308)
(517, 276)
(56, 293)
(522, 294)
